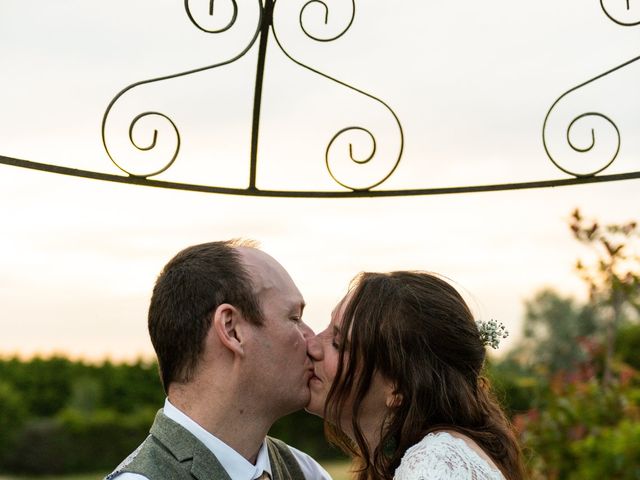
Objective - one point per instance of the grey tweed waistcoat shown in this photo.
(172, 452)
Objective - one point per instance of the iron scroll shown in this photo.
(267, 26)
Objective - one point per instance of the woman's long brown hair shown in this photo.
(416, 331)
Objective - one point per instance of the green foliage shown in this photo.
(613, 452)
(628, 345)
(60, 416)
(553, 326)
(582, 426)
(578, 366)
(47, 386)
(612, 276)
(76, 442)
(39, 448)
(514, 384)
(126, 386)
(12, 416)
(43, 384)
(305, 432)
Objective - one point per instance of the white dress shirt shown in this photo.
(238, 467)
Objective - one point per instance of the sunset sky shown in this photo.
(471, 83)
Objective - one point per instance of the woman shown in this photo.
(398, 384)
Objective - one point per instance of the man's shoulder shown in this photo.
(121, 470)
(146, 461)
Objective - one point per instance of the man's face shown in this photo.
(279, 360)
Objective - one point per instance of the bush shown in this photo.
(613, 453)
(578, 428)
(76, 442)
(305, 432)
(13, 414)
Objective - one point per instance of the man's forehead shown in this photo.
(263, 268)
(268, 275)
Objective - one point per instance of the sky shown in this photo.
(471, 83)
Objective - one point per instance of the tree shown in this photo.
(12, 417)
(612, 275)
(553, 329)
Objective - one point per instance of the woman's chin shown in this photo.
(316, 405)
(313, 412)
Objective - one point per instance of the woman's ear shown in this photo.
(394, 398)
(226, 325)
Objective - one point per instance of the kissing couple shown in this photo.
(396, 376)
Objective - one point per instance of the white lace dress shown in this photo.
(441, 456)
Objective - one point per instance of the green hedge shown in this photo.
(74, 442)
(612, 453)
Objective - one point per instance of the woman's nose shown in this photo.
(314, 348)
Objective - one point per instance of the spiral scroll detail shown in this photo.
(360, 161)
(133, 127)
(395, 160)
(326, 21)
(577, 123)
(628, 16)
(211, 11)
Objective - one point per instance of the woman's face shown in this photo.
(380, 396)
(326, 365)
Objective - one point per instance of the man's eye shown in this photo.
(296, 319)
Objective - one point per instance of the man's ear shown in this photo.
(226, 324)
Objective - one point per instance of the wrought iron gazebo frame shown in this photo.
(263, 29)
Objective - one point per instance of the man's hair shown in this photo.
(187, 292)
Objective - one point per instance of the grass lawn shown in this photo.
(338, 470)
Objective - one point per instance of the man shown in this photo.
(225, 320)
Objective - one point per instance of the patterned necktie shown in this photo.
(265, 476)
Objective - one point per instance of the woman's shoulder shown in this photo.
(441, 455)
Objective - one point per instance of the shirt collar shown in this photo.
(237, 467)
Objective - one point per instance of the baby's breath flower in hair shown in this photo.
(491, 332)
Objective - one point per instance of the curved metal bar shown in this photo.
(397, 162)
(355, 160)
(153, 143)
(593, 142)
(211, 12)
(314, 194)
(580, 117)
(168, 77)
(373, 140)
(616, 20)
(326, 20)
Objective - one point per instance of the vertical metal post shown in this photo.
(267, 21)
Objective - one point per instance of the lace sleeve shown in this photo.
(442, 457)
